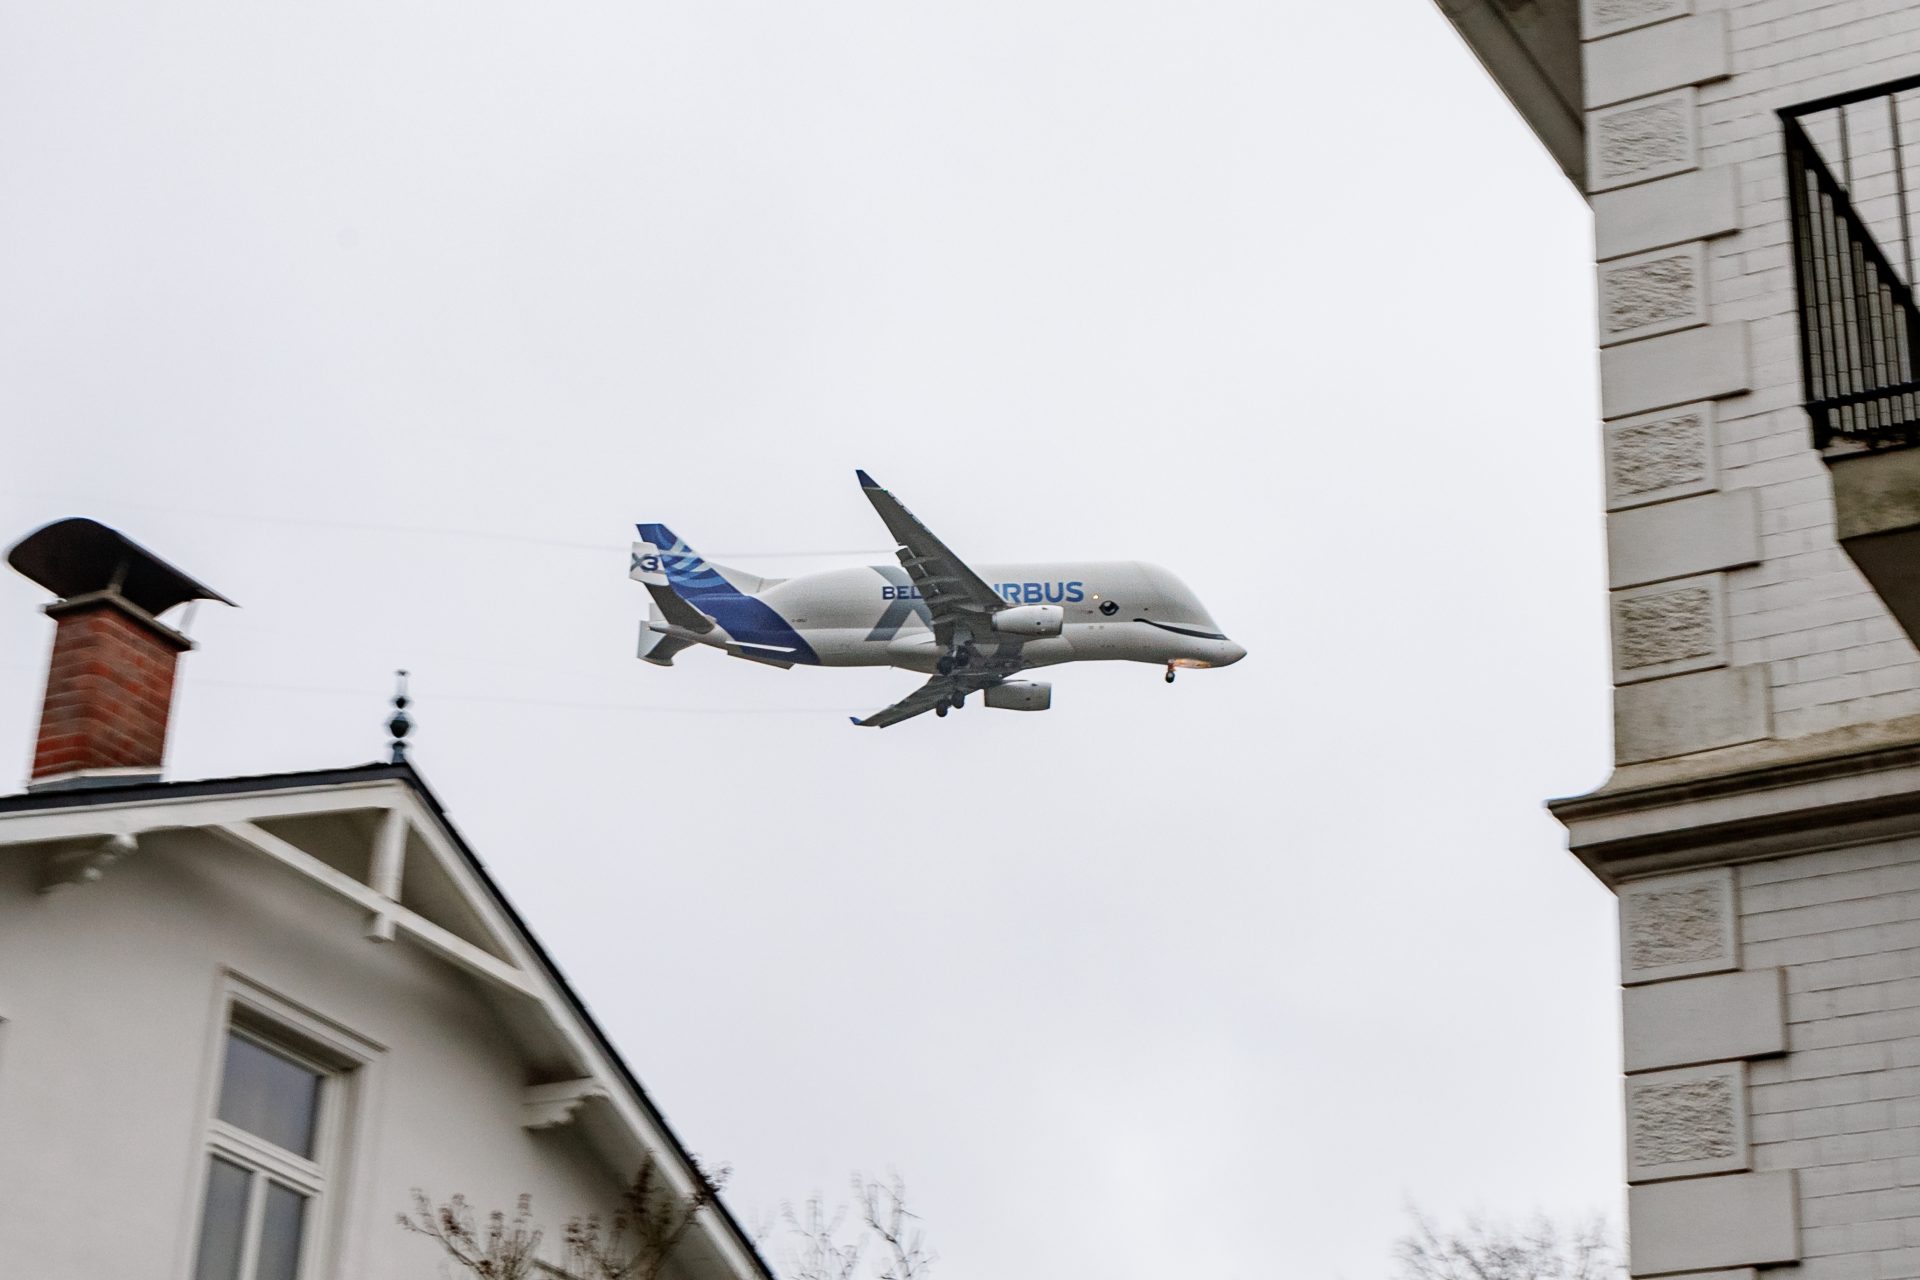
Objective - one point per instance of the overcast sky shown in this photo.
(389, 320)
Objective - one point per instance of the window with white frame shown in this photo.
(276, 1118)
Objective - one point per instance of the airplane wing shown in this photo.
(955, 595)
(934, 694)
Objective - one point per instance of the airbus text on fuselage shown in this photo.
(968, 630)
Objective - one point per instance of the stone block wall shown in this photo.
(1700, 372)
(1771, 990)
(1699, 1019)
(1842, 1107)
(1771, 1035)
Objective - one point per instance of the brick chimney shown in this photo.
(110, 679)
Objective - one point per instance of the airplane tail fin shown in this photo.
(662, 558)
(694, 595)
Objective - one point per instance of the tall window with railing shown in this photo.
(1852, 248)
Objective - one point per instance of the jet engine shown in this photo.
(1021, 695)
(1030, 620)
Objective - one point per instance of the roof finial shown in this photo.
(399, 725)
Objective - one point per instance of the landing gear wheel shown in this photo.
(1169, 673)
(958, 701)
(944, 666)
(941, 712)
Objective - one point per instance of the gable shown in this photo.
(376, 840)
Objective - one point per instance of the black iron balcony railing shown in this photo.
(1859, 330)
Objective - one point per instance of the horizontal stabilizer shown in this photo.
(659, 648)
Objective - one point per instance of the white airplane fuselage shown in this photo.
(872, 616)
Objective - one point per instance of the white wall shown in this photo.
(110, 993)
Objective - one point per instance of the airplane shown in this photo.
(971, 631)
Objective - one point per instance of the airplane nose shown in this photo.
(1231, 653)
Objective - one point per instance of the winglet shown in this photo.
(866, 481)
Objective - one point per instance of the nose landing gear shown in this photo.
(1169, 673)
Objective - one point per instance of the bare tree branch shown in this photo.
(641, 1236)
(635, 1242)
(887, 1243)
(1483, 1250)
(502, 1250)
(820, 1255)
(883, 1208)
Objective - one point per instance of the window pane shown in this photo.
(223, 1222)
(280, 1229)
(269, 1096)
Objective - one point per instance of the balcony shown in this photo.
(1847, 189)
(1858, 326)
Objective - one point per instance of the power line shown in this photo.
(649, 708)
(439, 531)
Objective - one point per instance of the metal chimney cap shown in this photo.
(77, 556)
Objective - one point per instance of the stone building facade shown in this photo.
(1753, 168)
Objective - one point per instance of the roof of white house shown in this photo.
(377, 836)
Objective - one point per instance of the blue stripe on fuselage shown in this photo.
(751, 620)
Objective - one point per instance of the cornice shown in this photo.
(1763, 800)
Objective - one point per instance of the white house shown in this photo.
(241, 1019)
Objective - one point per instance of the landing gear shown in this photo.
(1169, 673)
(940, 711)
(958, 701)
(961, 657)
